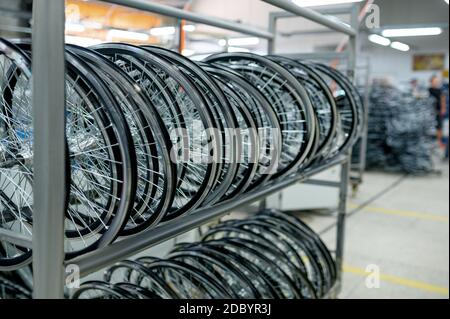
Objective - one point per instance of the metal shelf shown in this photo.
(130, 246)
(314, 16)
(193, 17)
(48, 96)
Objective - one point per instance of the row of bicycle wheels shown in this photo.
(152, 136)
(269, 256)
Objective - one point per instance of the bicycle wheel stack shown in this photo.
(270, 255)
(152, 136)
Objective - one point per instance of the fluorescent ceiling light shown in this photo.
(411, 32)
(92, 25)
(236, 49)
(75, 27)
(81, 41)
(162, 31)
(189, 28)
(378, 39)
(187, 52)
(222, 42)
(446, 1)
(243, 41)
(400, 46)
(122, 34)
(317, 3)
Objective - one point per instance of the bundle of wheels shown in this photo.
(152, 136)
(13, 285)
(271, 255)
(401, 131)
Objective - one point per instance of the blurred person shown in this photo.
(414, 87)
(445, 119)
(435, 91)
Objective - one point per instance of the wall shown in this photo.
(386, 62)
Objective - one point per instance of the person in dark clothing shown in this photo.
(436, 93)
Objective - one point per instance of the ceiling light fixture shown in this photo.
(75, 27)
(237, 49)
(222, 42)
(243, 41)
(378, 39)
(81, 41)
(187, 52)
(189, 28)
(93, 25)
(400, 46)
(162, 31)
(122, 34)
(317, 3)
(411, 32)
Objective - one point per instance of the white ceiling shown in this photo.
(393, 12)
(417, 12)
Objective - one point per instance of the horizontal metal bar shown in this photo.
(325, 11)
(317, 182)
(193, 17)
(130, 246)
(318, 55)
(13, 237)
(313, 16)
(11, 28)
(306, 32)
(18, 14)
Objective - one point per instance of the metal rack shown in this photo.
(358, 166)
(349, 55)
(49, 157)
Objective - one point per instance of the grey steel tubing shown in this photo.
(341, 216)
(127, 247)
(49, 148)
(312, 16)
(193, 17)
(15, 238)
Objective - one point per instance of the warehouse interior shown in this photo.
(369, 200)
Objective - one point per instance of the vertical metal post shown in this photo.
(363, 147)
(353, 43)
(49, 148)
(178, 37)
(272, 29)
(342, 212)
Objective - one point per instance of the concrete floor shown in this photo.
(401, 237)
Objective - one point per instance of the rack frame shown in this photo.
(49, 157)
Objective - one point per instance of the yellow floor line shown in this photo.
(403, 213)
(400, 281)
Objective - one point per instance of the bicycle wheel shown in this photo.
(287, 96)
(156, 172)
(226, 121)
(347, 127)
(101, 160)
(184, 112)
(267, 124)
(321, 98)
(253, 240)
(16, 160)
